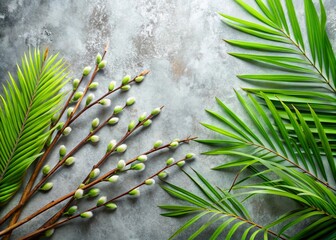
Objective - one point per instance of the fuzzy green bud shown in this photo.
(62, 151)
(139, 79)
(173, 144)
(121, 165)
(49, 232)
(111, 85)
(157, 144)
(147, 123)
(55, 118)
(126, 80)
(131, 125)
(142, 158)
(87, 214)
(111, 206)
(113, 179)
(142, 117)
(89, 99)
(155, 111)
(77, 96)
(79, 193)
(117, 109)
(47, 186)
(163, 175)
(111, 145)
(69, 161)
(94, 138)
(93, 85)
(75, 84)
(60, 126)
(180, 163)
(98, 58)
(122, 148)
(94, 192)
(94, 173)
(95, 123)
(130, 101)
(150, 181)
(126, 87)
(134, 192)
(190, 156)
(69, 111)
(105, 102)
(67, 131)
(170, 161)
(101, 201)
(46, 169)
(113, 120)
(81, 185)
(86, 70)
(102, 64)
(71, 211)
(138, 167)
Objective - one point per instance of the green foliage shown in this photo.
(285, 145)
(27, 107)
(306, 72)
(225, 215)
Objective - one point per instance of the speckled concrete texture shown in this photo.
(180, 41)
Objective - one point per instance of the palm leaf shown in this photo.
(27, 106)
(263, 147)
(317, 202)
(306, 74)
(222, 213)
(271, 140)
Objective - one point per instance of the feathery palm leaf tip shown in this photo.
(27, 106)
(307, 69)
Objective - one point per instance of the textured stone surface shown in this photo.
(180, 41)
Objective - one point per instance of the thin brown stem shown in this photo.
(100, 162)
(57, 224)
(41, 161)
(143, 73)
(71, 153)
(87, 186)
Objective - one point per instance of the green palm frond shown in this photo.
(214, 211)
(264, 149)
(317, 202)
(270, 139)
(221, 213)
(26, 110)
(306, 72)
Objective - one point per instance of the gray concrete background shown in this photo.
(180, 41)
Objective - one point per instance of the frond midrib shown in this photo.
(304, 54)
(291, 162)
(246, 221)
(25, 120)
(326, 80)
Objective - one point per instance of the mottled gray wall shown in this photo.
(180, 41)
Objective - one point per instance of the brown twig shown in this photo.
(143, 73)
(71, 153)
(101, 161)
(57, 224)
(41, 161)
(96, 181)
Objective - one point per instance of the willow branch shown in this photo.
(87, 186)
(57, 224)
(41, 161)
